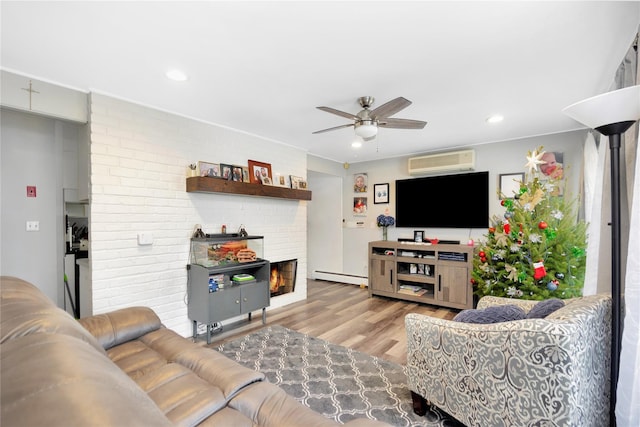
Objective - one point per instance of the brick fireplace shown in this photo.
(283, 277)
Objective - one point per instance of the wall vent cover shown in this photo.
(452, 161)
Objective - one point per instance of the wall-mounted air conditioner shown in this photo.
(442, 162)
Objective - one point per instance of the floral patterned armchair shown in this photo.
(534, 372)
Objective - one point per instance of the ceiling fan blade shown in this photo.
(390, 108)
(402, 123)
(334, 128)
(338, 112)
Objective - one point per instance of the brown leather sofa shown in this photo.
(125, 369)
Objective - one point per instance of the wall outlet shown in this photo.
(33, 225)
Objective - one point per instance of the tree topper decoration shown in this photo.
(534, 159)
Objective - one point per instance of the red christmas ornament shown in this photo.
(473, 281)
(502, 202)
(492, 230)
(482, 254)
(542, 225)
(506, 227)
(538, 270)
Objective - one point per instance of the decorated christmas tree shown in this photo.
(537, 250)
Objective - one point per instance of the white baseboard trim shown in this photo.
(341, 278)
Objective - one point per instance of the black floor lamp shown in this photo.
(612, 114)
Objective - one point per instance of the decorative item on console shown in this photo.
(385, 221)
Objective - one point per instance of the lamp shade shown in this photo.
(622, 105)
(366, 129)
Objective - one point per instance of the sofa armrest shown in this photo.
(120, 326)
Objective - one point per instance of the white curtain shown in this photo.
(628, 391)
(628, 396)
(597, 212)
(594, 158)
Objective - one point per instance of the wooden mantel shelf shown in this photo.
(199, 184)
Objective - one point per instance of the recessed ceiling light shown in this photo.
(496, 118)
(356, 144)
(177, 75)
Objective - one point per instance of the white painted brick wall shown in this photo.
(139, 158)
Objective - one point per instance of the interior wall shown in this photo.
(497, 158)
(139, 159)
(32, 155)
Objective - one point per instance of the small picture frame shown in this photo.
(236, 173)
(209, 169)
(245, 174)
(380, 193)
(418, 236)
(360, 183)
(295, 181)
(259, 170)
(280, 180)
(226, 171)
(360, 206)
(266, 181)
(510, 185)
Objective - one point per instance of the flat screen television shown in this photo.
(445, 201)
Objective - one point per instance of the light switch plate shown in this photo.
(145, 239)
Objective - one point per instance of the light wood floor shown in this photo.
(343, 314)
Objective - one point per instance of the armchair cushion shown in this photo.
(545, 308)
(495, 314)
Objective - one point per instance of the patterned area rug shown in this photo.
(335, 381)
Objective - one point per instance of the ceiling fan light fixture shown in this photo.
(366, 129)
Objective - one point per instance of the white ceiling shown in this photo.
(262, 67)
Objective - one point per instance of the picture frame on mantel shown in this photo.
(258, 171)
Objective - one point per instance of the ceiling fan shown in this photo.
(367, 121)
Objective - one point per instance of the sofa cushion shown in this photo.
(495, 314)
(26, 310)
(56, 379)
(120, 326)
(545, 308)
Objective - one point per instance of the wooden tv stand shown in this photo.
(431, 274)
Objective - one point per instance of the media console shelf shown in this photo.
(431, 274)
(200, 184)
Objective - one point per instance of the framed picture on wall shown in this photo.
(380, 193)
(510, 184)
(360, 206)
(360, 183)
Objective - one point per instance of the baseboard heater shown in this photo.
(341, 278)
